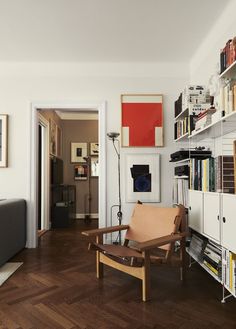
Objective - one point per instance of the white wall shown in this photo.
(21, 84)
(207, 55)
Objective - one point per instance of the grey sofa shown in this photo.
(12, 228)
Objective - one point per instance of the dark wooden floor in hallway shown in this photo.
(56, 288)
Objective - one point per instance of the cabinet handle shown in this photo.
(189, 207)
(224, 219)
(218, 217)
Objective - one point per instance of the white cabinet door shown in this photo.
(195, 218)
(229, 221)
(211, 215)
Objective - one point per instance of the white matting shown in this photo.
(7, 270)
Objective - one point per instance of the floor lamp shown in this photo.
(113, 137)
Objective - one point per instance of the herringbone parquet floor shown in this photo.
(56, 288)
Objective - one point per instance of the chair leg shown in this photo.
(99, 265)
(146, 277)
(183, 259)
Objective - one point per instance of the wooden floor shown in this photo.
(56, 288)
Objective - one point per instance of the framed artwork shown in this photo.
(53, 137)
(3, 139)
(81, 172)
(94, 167)
(142, 176)
(142, 120)
(94, 149)
(59, 141)
(78, 152)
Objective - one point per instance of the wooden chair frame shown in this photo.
(144, 248)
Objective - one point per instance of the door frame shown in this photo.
(45, 173)
(32, 208)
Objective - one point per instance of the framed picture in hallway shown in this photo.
(142, 120)
(142, 177)
(78, 152)
(94, 149)
(59, 142)
(3, 139)
(53, 137)
(81, 172)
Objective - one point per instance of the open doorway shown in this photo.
(33, 205)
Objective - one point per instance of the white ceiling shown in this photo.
(104, 30)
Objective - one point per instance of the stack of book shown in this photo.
(204, 119)
(195, 94)
(228, 54)
(197, 246)
(224, 174)
(212, 258)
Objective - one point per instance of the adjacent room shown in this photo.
(117, 164)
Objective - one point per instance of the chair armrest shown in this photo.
(147, 245)
(104, 230)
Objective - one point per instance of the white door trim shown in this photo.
(45, 173)
(32, 221)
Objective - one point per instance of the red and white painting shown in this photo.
(142, 120)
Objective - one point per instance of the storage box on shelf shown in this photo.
(211, 194)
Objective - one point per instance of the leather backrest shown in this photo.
(150, 222)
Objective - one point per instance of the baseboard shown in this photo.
(82, 216)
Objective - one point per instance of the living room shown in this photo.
(86, 55)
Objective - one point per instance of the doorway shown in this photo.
(33, 210)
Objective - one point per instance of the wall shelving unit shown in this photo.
(212, 213)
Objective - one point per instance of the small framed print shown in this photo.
(53, 137)
(59, 142)
(94, 149)
(81, 172)
(94, 167)
(78, 152)
(3, 139)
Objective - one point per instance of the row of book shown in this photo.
(212, 174)
(227, 97)
(206, 252)
(228, 54)
(180, 191)
(181, 127)
(229, 269)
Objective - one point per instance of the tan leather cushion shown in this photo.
(150, 222)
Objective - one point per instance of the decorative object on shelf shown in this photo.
(142, 120)
(3, 139)
(113, 136)
(53, 137)
(94, 149)
(142, 177)
(81, 172)
(78, 152)
(94, 167)
(59, 142)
